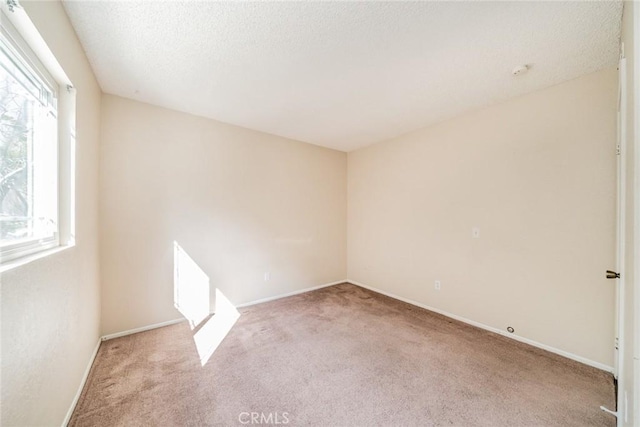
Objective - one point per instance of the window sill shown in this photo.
(19, 262)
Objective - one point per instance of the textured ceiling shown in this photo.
(342, 75)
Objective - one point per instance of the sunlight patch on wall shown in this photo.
(190, 287)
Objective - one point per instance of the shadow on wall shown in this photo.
(191, 296)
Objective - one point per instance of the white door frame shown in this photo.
(634, 410)
(621, 150)
(621, 176)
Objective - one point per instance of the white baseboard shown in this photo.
(290, 294)
(533, 343)
(141, 329)
(67, 418)
(246, 304)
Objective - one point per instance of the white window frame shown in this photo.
(33, 50)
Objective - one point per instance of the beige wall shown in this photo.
(50, 307)
(626, 380)
(537, 176)
(241, 203)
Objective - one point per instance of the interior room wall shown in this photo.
(537, 177)
(50, 307)
(626, 379)
(240, 203)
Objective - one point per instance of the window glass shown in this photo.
(28, 152)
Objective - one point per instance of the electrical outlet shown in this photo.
(437, 285)
(267, 277)
(475, 232)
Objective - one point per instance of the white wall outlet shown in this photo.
(267, 277)
(437, 285)
(475, 232)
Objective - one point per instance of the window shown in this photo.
(33, 174)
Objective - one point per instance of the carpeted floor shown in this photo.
(340, 356)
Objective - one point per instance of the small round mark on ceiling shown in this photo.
(520, 69)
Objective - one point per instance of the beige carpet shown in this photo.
(340, 356)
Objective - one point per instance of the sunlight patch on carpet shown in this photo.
(209, 337)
